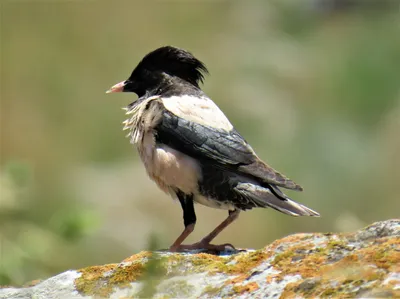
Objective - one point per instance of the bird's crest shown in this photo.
(174, 62)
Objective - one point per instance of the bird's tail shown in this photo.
(274, 198)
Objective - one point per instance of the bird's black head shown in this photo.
(161, 68)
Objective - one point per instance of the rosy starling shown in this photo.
(192, 151)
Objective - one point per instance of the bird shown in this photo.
(192, 151)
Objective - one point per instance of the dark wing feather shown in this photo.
(228, 149)
(203, 142)
(269, 175)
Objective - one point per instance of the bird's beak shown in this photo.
(119, 87)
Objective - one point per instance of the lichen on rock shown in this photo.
(345, 265)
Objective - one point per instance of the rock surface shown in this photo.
(364, 264)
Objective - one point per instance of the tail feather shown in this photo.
(276, 199)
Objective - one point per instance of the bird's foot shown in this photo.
(204, 247)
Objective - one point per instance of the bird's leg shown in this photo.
(189, 219)
(186, 232)
(205, 242)
(233, 215)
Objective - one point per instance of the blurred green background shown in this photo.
(314, 86)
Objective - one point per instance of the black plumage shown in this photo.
(203, 142)
(191, 150)
(167, 71)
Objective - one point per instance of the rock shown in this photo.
(363, 264)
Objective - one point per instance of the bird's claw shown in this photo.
(203, 246)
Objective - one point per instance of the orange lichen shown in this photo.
(126, 274)
(319, 259)
(232, 265)
(247, 288)
(237, 279)
(292, 239)
(291, 262)
(368, 264)
(384, 255)
(205, 261)
(94, 280)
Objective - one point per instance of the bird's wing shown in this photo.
(226, 148)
